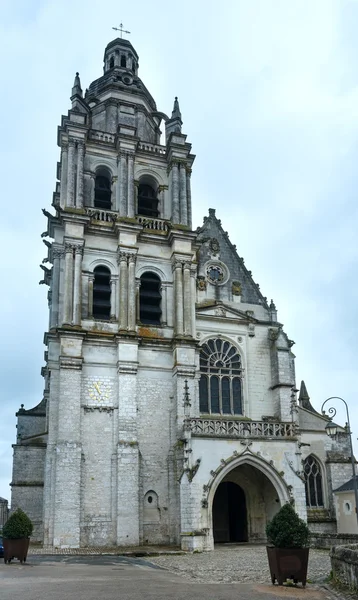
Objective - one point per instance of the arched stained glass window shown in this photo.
(220, 381)
(313, 483)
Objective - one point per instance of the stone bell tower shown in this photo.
(121, 338)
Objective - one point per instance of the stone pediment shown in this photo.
(220, 310)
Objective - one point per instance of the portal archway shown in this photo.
(244, 499)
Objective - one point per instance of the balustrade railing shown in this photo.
(100, 136)
(154, 148)
(102, 215)
(153, 224)
(240, 429)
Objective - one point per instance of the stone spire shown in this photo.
(304, 399)
(77, 90)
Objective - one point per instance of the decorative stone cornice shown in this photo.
(70, 362)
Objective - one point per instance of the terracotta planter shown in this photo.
(16, 549)
(288, 563)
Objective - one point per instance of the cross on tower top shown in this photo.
(120, 28)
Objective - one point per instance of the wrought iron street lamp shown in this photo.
(332, 428)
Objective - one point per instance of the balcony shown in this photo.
(236, 429)
(152, 148)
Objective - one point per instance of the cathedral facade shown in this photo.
(170, 411)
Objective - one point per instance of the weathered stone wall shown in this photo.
(327, 540)
(344, 561)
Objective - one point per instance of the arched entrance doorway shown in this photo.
(229, 513)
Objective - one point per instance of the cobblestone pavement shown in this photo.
(237, 564)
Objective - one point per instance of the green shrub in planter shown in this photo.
(17, 526)
(287, 530)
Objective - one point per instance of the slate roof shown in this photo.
(348, 486)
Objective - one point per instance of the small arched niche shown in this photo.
(151, 512)
(102, 189)
(148, 203)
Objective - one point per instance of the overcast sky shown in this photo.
(268, 91)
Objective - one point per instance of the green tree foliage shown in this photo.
(287, 530)
(17, 526)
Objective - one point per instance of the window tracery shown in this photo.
(313, 483)
(220, 389)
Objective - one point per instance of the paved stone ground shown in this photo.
(227, 565)
(237, 564)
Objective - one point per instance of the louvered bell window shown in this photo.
(102, 293)
(150, 297)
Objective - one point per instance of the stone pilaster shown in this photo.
(131, 293)
(193, 273)
(127, 449)
(71, 173)
(68, 286)
(175, 193)
(188, 197)
(80, 163)
(64, 168)
(187, 299)
(90, 296)
(118, 186)
(92, 192)
(131, 185)
(123, 185)
(113, 299)
(77, 292)
(67, 482)
(57, 254)
(178, 293)
(182, 195)
(123, 290)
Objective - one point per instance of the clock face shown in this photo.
(99, 392)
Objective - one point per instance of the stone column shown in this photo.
(71, 173)
(118, 186)
(64, 167)
(90, 296)
(182, 195)
(113, 300)
(77, 285)
(92, 192)
(123, 185)
(187, 299)
(188, 196)
(68, 287)
(178, 285)
(131, 293)
(80, 164)
(175, 193)
(136, 188)
(193, 272)
(131, 185)
(123, 291)
(161, 201)
(164, 303)
(57, 253)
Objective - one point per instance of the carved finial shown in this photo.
(176, 114)
(77, 90)
(212, 212)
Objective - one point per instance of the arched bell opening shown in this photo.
(244, 502)
(148, 201)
